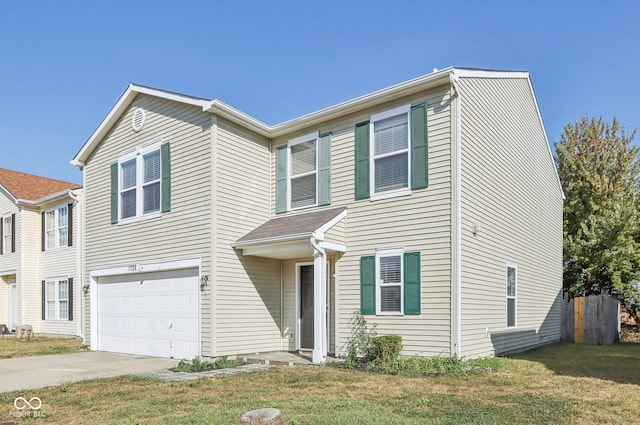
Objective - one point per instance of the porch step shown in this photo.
(278, 358)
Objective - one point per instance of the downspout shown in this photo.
(320, 353)
(80, 277)
(458, 215)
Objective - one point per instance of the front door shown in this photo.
(306, 307)
(13, 306)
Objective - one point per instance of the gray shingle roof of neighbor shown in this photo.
(290, 227)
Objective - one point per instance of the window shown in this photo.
(390, 147)
(512, 281)
(56, 299)
(390, 282)
(303, 172)
(141, 183)
(7, 234)
(56, 227)
(391, 153)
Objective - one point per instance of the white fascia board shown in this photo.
(8, 194)
(9, 272)
(59, 195)
(120, 107)
(146, 268)
(546, 138)
(486, 73)
(220, 108)
(390, 93)
(319, 234)
(330, 246)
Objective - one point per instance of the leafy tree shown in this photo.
(600, 169)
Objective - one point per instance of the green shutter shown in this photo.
(362, 180)
(165, 166)
(368, 285)
(419, 147)
(324, 169)
(281, 178)
(44, 300)
(412, 283)
(70, 303)
(114, 194)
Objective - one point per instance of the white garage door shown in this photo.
(152, 314)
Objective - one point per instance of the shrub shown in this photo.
(359, 343)
(199, 365)
(386, 348)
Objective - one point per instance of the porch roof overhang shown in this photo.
(290, 237)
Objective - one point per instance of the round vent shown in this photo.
(137, 121)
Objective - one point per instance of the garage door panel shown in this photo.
(154, 314)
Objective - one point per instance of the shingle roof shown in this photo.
(30, 187)
(281, 227)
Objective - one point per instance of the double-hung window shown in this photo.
(303, 176)
(512, 282)
(390, 147)
(56, 227)
(7, 232)
(303, 172)
(391, 156)
(141, 183)
(56, 299)
(390, 282)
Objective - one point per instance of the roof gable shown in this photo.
(29, 187)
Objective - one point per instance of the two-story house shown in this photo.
(432, 206)
(39, 253)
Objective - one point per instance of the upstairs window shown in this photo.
(390, 146)
(303, 172)
(391, 153)
(57, 227)
(141, 183)
(8, 234)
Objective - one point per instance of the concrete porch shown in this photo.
(282, 358)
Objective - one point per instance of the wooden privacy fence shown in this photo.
(591, 320)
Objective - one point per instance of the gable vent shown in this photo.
(137, 121)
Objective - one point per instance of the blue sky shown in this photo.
(64, 64)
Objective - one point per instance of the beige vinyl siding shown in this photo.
(60, 263)
(419, 222)
(509, 186)
(10, 262)
(182, 233)
(29, 293)
(247, 289)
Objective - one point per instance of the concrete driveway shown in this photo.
(44, 371)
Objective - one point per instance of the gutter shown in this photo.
(47, 198)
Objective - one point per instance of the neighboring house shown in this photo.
(433, 206)
(39, 253)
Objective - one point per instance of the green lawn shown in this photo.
(38, 346)
(560, 384)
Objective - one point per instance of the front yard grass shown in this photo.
(11, 347)
(559, 384)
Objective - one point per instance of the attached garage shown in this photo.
(152, 314)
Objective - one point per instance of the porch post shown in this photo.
(319, 307)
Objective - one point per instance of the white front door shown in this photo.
(151, 314)
(13, 306)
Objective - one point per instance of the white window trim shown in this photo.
(6, 250)
(56, 229)
(57, 281)
(295, 141)
(404, 109)
(508, 297)
(138, 155)
(389, 252)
